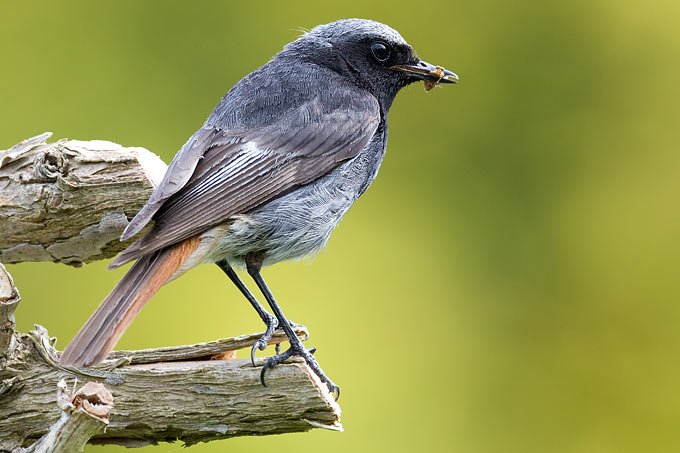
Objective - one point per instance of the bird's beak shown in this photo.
(427, 72)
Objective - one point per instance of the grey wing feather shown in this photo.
(177, 175)
(253, 168)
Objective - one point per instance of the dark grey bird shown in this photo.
(268, 176)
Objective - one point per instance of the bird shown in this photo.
(278, 162)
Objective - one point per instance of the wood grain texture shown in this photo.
(70, 200)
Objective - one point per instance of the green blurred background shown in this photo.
(508, 284)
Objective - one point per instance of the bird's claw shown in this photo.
(295, 325)
(261, 344)
(273, 361)
(307, 354)
(334, 389)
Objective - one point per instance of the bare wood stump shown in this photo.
(83, 415)
(70, 200)
(9, 299)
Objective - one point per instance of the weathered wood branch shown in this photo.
(68, 201)
(9, 299)
(192, 400)
(84, 415)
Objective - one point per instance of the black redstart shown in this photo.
(268, 176)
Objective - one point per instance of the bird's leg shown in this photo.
(270, 321)
(254, 264)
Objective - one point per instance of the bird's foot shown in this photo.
(297, 349)
(261, 344)
(272, 323)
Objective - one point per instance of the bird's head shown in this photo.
(372, 54)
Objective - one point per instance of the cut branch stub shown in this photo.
(83, 416)
(9, 299)
(69, 201)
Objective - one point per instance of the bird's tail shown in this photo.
(102, 331)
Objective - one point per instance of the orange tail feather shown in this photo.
(107, 324)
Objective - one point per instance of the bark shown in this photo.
(68, 201)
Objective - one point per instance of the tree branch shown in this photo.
(192, 400)
(68, 202)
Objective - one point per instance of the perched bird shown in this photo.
(268, 176)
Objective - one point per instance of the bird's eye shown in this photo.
(380, 51)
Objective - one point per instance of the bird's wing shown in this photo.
(176, 176)
(242, 169)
